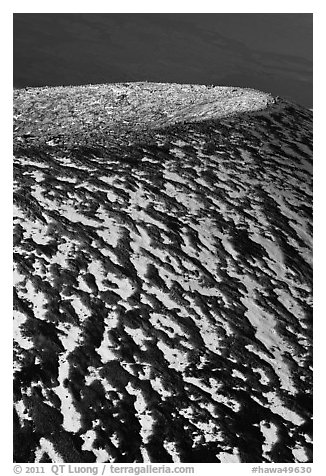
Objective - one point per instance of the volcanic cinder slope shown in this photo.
(163, 279)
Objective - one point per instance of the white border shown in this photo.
(168, 6)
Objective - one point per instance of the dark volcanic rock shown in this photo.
(163, 247)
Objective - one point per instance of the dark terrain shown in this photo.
(270, 52)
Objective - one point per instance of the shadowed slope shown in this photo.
(162, 278)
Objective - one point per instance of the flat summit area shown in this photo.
(162, 275)
(99, 112)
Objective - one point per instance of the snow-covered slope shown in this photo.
(163, 254)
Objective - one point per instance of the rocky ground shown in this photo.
(162, 248)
